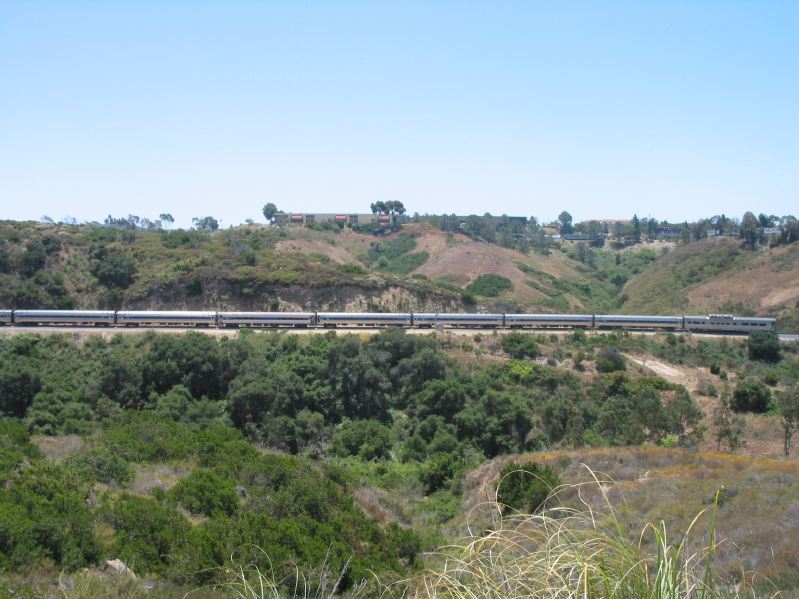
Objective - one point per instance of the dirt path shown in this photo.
(670, 373)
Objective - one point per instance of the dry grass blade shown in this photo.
(567, 553)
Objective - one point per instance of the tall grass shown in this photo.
(248, 580)
(566, 552)
(559, 552)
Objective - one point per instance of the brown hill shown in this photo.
(717, 275)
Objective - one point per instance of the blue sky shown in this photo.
(675, 109)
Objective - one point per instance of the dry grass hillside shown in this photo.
(714, 275)
(757, 521)
(452, 261)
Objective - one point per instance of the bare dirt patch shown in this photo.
(58, 448)
(163, 476)
(670, 373)
(335, 253)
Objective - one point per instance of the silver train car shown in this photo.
(161, 318)
(68, 317)
(364, 319)
(608, 321)
(728, 323)
(710, 323)
(549, 320)
(433, 319)
(266, 319)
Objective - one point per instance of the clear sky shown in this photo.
(676, 110)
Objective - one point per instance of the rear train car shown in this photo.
(6, 317)
(729, 323)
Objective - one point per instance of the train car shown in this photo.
(730, 324)
(549, 320)
(433, 319)
(6, 317)
(603, 321)
(266, 319)
(91, 317)
(365, 319)
(163, 318)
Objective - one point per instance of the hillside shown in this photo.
(255, 267)
(756, 523)
(716, 275)
(419, 268)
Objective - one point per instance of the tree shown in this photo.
(32, 259)
(764, 346)
(788, 404)
(636, 228)
(367, 439)
(565, 220)
(767, 221)
(750, 230)
(166, 218)
(751, 396)
(113, 268)
(395, 207)
(269, 211)
(205, 223)
(729, 426)
(18, 386)
(379, 208)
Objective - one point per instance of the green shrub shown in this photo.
(489, 285)
(147, 534)
(439, 469)
(764, 346)
(206, 492)
(18, 386)
(771, 378)
(519, 345)
(706, 388)
(367, 439)
(525, 487)
(100, 465)
(751, 396)
(113, 268)
(404, 264)
(43, 515)
(609, 359)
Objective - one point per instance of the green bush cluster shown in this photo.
(519, 345)
(526, 487)
(489, 285)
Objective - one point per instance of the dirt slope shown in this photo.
(717, 275)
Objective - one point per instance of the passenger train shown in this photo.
(121, 318)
